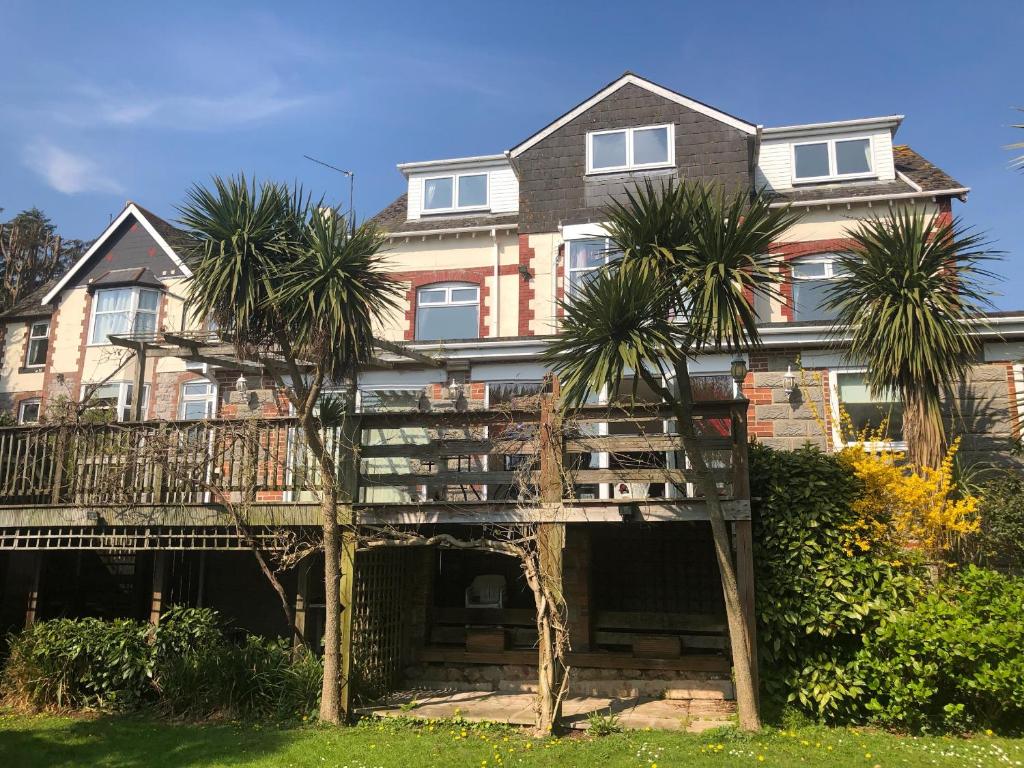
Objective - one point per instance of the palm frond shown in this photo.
(1018, 162)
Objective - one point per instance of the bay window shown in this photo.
(114, 400)
(118, 311)
(628, 149)
(448, 311)
(584, 258)
(832, 159)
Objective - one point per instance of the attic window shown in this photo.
(465, 191)
(832, 159)
(630, 149)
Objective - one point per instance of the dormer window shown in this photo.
(457, 192)
(835, 159)
(630, 149)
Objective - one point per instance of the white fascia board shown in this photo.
(583, 231)
(129, 210)
(640, 82)
(956, 192)
(453, 162)
(782, 131)
(451, 230)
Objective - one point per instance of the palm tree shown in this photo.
(691, 261)
(1018, 162)
(908, 295)
(297, 288)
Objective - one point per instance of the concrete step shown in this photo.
(670, 690)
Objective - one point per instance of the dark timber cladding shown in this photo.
(554, 187)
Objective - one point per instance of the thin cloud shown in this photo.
(66, 171)
(93, 105)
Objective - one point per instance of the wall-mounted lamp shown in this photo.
(524, 272)
(789, 381)
(241, 385)
(738, 371)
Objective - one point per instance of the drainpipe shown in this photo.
(496, 304)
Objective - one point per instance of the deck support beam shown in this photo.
(159, 593)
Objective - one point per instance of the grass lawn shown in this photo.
(26, 742)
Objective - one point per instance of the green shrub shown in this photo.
(76, 663)
(1000, 541)
(186, 667)
(814, 600)
(952, 662)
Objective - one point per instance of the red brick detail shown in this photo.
(761, 429)
(786, 291)
(790, 251)
(560, 281)
(474, 275)
(49, 359)
(527, 292)
(945, 217)
(757, 361)
(826, 406)
(1014, 401)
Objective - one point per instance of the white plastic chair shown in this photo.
(487, 591)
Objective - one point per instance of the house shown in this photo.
(486, 249)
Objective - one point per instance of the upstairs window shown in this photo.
(812, 277)
(38, 344)
(868, 413)
(448, 311)
(465, 191)
(119, 311)
(832, 159)
(584, 258)
(629, 149)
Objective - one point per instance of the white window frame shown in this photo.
(837, 433)
(630, 165)
(210, 398)
(456, 178)
(123, 414)
(833, 174)
(828, 259)
(448, 287)
(133, 311)
(21, 410)
(570, 270)
(32, 338)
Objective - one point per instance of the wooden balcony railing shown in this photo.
(412, 466)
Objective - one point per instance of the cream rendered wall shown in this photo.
(543, 265)
(831, 222)
(11, 380)
(172, 320)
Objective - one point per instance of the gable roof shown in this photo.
(630, 79)
(158, 229)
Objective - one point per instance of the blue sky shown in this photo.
(102, 102)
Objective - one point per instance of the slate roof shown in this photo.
(30, 305)
(928, 177)
(393, 219)
(142, 276)
(178, 239)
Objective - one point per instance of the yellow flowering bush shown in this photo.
(905, 508)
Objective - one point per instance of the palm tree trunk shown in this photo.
(682, 406)
(923, 429)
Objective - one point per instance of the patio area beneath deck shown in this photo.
(516, 708)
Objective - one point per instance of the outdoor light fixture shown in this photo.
(423, 404)
(241, 385)
(738, 371)
(789, 381)
(630, 511)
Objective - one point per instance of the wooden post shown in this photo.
(348, 483)
(744, 532)
(301, 600)
(156, 603)
(550, 534)
(140, 381)
(59, 451)
(32, 595)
